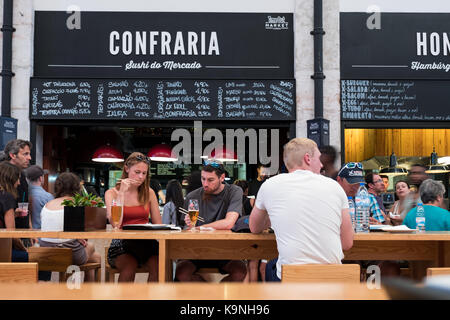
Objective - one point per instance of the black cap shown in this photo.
(34, 172)
(352, 172)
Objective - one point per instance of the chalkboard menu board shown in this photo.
(405, 100)
(156, 99)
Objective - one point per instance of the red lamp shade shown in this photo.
(223, 155)
(107, 154)
(161, 152)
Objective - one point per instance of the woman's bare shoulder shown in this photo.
(111, 192)
(54, 204)
(152, 192)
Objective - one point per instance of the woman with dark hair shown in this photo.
(9, 180)
(398, 210)
(139, 201)
(174, 200)
(52, 219)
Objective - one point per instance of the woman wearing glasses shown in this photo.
(138, 199)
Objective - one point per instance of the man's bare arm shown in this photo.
(346, 230)
(259, 220)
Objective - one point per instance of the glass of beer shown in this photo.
(116, 214)
(193, 211)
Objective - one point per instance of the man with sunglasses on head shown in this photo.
(349, 177)
(307, 211)
(220, 205)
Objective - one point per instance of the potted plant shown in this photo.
(84, 212)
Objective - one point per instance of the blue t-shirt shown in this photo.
(39, 198)
(436, 219)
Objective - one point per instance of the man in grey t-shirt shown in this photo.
(220, 205)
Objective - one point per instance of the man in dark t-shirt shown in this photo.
(253, 187)
(220, 205)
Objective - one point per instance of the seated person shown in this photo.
(52, 219)
(310, 228)
(139, 202)
(9, 181)
(402, 190)
(375, 187)
(436, 218)
(220, 205)
(174, 200)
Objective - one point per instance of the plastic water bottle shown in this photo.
(420, 218)
(362, 203)
(351, 211)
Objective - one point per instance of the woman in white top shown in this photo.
(52, 219)
(398, 211)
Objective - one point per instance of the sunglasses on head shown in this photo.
(144, 159)
(352, 165)
(213, 163)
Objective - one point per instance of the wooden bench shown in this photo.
(5, 250)
(320, 273)
(58, 260)
(437, 271)
(18, 272)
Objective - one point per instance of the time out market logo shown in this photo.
(276, 23)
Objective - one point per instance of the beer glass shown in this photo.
(193, 210)
(116, 214)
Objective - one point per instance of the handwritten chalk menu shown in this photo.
(166, 169)
(406, 100)
(153, 99)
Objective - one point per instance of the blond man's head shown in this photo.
(302, 153)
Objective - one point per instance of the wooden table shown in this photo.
(430, 246)
(191, 291)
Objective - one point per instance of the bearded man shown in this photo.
(220, 205)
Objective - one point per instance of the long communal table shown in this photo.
(433, 247)
(191, 291)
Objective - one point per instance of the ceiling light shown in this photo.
(107, 154)
(161, 152)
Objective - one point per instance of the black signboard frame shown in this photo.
(394, 54)
(138, 44)
(393, 51)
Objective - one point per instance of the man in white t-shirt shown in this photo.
(308, 212)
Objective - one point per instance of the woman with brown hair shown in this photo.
(399, 209)
(138, 199)
(52, 219)
(9, 180)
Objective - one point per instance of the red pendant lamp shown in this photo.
(161, 152)
(107, 154)
(223, 155)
